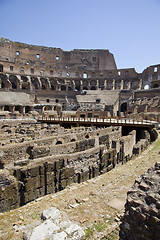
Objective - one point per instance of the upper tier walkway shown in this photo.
(102, 122)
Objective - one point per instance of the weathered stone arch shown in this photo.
(47, 108)
(44, 83)
(25, 83)
(63, 88)
(93, 82)
(35, 83)
(53, 84)
(7, 108)
(18, 108)
(27, 109)
(124, 107)
(14, 81)
(135, 84)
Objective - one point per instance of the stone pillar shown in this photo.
(139, 84)
(8, 84)
(48, 84)
(105, 84)
(19, 85)
(39, 82)
(97, 86)
(89, 86)
(23, 110)
(113, 84)
(73, 85)
(121, 85)
(81, 85)
(128, 85)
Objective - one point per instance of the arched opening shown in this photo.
(155, 85)
(47, 108)
(85, 88)
(7, 108)
(2, 84)
(52, 87)
(13, 85)
(13, 81)
(146, 87)
(18, 109)
(1, 68)
(43, 87)
(93, 88)
(63, 88)
(58, 142)
(73, 140)
(27, 109)
(34, 82)
(77, 88)
(84, 75)
(86, 136)
(124, 107)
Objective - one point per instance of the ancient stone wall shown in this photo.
(47, 168)
(142, 218)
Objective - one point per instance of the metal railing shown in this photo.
(117, 121)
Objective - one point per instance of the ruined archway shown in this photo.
(124, 107)
(7, 108)
(63, 88)
(77, 88)
(27, 109)
(18, 109)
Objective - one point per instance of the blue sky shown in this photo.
(128, 28)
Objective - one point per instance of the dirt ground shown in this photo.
(95, 205)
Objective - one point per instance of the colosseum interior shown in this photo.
(36, 83)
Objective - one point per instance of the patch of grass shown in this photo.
(89, 232)
(99, 226)
(156, 146)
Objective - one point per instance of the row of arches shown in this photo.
(17, 108)
(40, 83)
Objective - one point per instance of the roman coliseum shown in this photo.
(67, 117)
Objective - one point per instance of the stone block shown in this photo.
(50, 167)
(34, 171)
(67, 172)
(32, 183)
(85, 175)
(51, 188)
